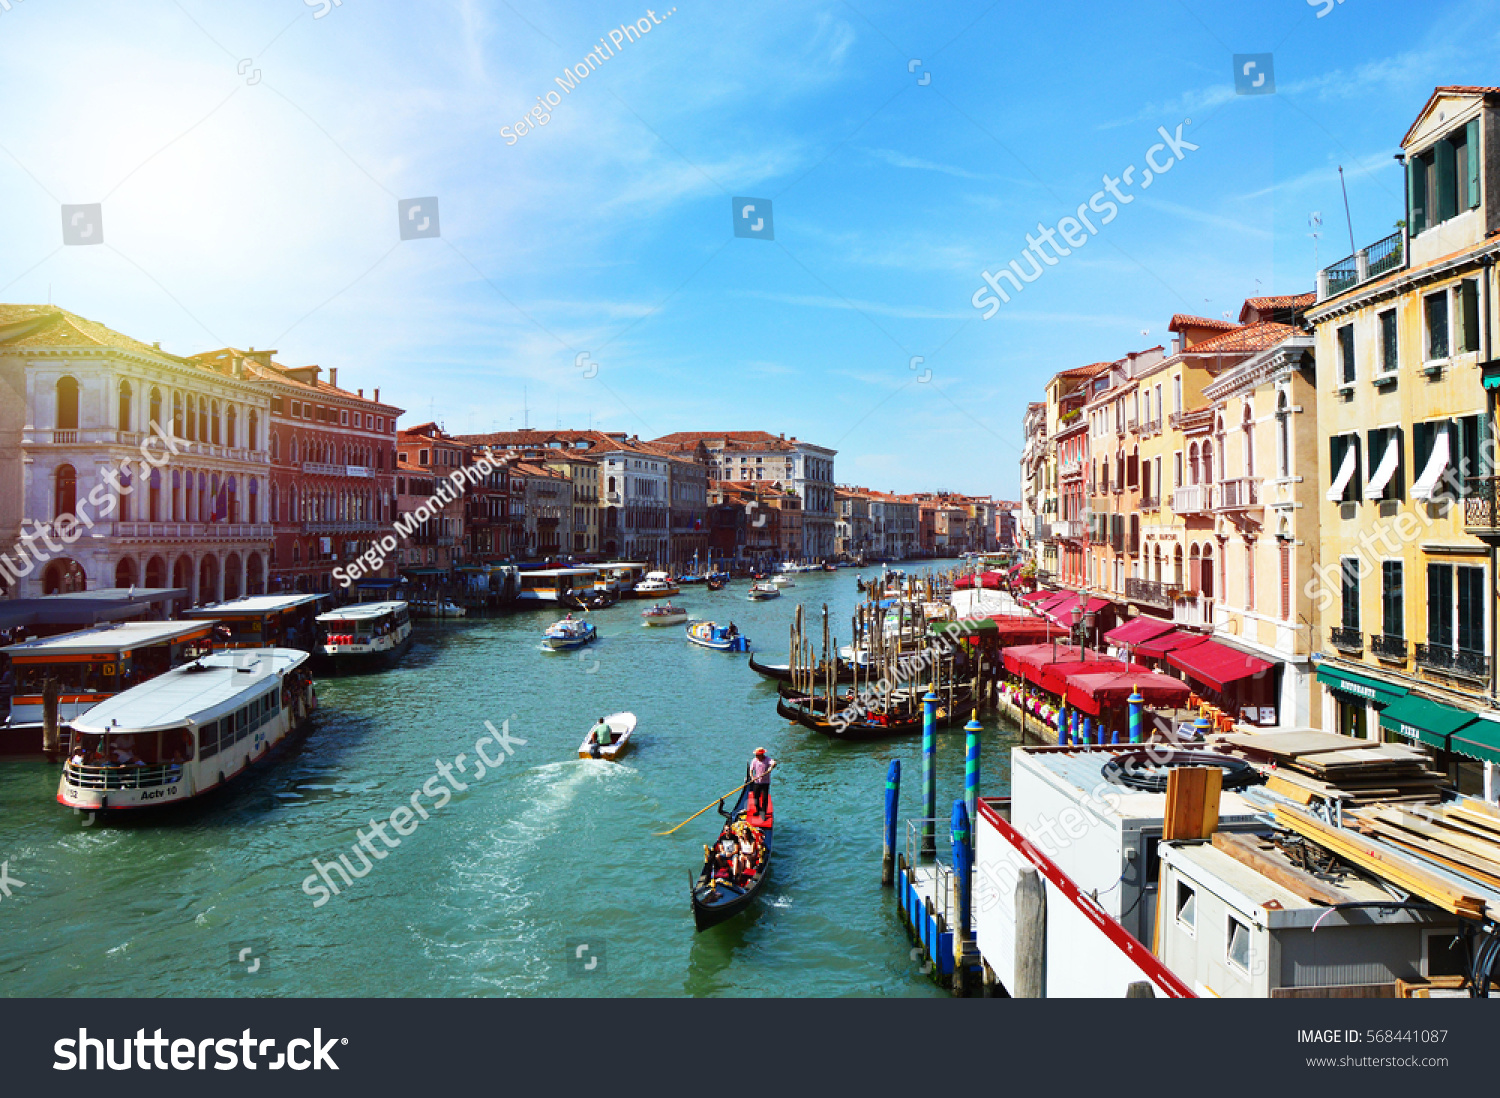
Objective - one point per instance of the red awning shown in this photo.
(1062, 612)
(1019, 657)
(1158, 647)
(1138, 629)
(1037, 596)
(1091, 692)
(1217, 665)
(1054, 676)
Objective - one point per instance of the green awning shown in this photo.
(1489, 374)
(1426, 721)
(1479, 739)
(1360, 686)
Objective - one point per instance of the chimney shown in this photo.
(333, 376)
(361, 394)
(377, 396)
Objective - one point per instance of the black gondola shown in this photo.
(716, 584)
(782, 672)
(715, 901)
(810, 713)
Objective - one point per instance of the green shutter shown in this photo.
(1446, 205)
(1472, 140)
(1416, 185)
(1469, 302)
(1421, 445)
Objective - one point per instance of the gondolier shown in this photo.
(759, 785)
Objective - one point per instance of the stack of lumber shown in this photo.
(1462, 837)
(1418, 873)
(1303, 766)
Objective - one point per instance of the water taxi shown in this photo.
(365, 634)
(760, 592)
(664, 615)
(190, 730)
(91, 666)
(436, 608)
(783, 579)
(265, 621)
(621, 725)
(570, 633)
(656, 585)
(721, 638)
(557, 584)
(622, 576)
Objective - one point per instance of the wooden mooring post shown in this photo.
(51, 693)
(1031, 936)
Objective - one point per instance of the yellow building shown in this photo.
(1406, 575)
(581, 537)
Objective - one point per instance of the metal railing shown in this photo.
(121, 777)
(1152, 592)
(1346, 640)
(1239, 493)
(1387, 647)
(1459, 662)
(1480, 515)
(211, 530)
(1386, 254)
(1196, 610)
(1150, 503)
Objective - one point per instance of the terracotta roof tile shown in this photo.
(1188, 320)
(50, 326)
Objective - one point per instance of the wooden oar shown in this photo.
(710, 804)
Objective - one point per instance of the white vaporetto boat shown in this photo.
(186, 732)
(365, 635)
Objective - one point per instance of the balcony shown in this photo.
(1152, 592)
(1384, 255)
(1386, 647)
(1150, 503)
(1239, 494)
(1197, 421)
(1480, 515)
(1460, 663)
(1193, 499)
(192, 531)
(1346, 640)
(1194, 611)
(1151, 427)
(1068, 529)
(1130, 426)
(369, 526)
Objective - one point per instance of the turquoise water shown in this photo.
(496, 890)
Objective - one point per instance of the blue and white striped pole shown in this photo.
(1135, 701)
(971, 764)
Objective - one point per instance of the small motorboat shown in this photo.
(655, 585)
(782, 579)
(664, 615)
(717, 584)
(760, 592)
(722, 889)
(436, 608)
(621, 725)
(721, 638)
(570, 633)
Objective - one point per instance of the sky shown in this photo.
(249, 160)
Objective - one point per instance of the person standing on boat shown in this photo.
(760, 769)
(600, 736)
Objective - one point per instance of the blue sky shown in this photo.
(258, 207)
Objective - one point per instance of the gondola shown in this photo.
(592, 600)
(782, 672)
(717, 584)
(715, 901)
(808, 713)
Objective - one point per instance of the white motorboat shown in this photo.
(664, 615)
(621, 725)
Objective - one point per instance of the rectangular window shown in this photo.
(296, 407)
(343, 418)
(1440, 605)
(1435, 306)
(1470, 609)
(1177, 469)
(1349, 567)
(1392, 612)
(1177, 394)
(1187, 907)
(1389, 353)
(1384, 452)
(422, 456)
(1346, 353)
(208, 740)
(1237, 944)
(1344, 467)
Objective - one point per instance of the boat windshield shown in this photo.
(173, 745)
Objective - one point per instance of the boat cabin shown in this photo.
(364, 628)
(555, 584)
(265, 621)
(90, 666)
(622, 576)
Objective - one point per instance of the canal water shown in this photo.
(543, 877)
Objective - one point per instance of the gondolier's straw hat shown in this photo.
(760, 750)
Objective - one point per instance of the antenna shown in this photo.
(1315, 222)
(525, 409)
(1352, 249)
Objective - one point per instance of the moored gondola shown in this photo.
(719, 892)
(782, 672)
(870, 725)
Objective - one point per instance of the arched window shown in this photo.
(1206, 456)
(203, 420)
(65, 492)
(155, 422)
(1177, 565)
(294, 450)
(179, 428)
(1193, 463)
(1247, 433)
(1206, 572)
(125, 409)
(67, 404)
(231, 426)
(215, 432)
(252, 437)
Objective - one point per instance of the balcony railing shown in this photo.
(1384, 255)
(1480, 515)
(176, 531)
(1151, 427)
(1193, 499)
(1152, 592)
(1239, 494)
(368, 526)
(1387, 647)
(1346, 640)
(1071, 529)
(1459, 662)
(1196, 610)
(1150, 503)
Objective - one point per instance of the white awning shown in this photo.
(1437, 464)
(1346, 472)
(1385, 470)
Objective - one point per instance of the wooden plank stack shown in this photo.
(1352, 771)
(1463, 837)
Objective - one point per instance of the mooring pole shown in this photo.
(929, 774)
(51, 694)
(1136, 701)
(1031, 936)
(892, 800)
(963, 863)
(971, 765)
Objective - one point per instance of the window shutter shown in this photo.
(1416, 185)
(1468, 302)
(1421, 445)
(1472, 140)
(1447, 183)
(1286, 581)
(1397, 488)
